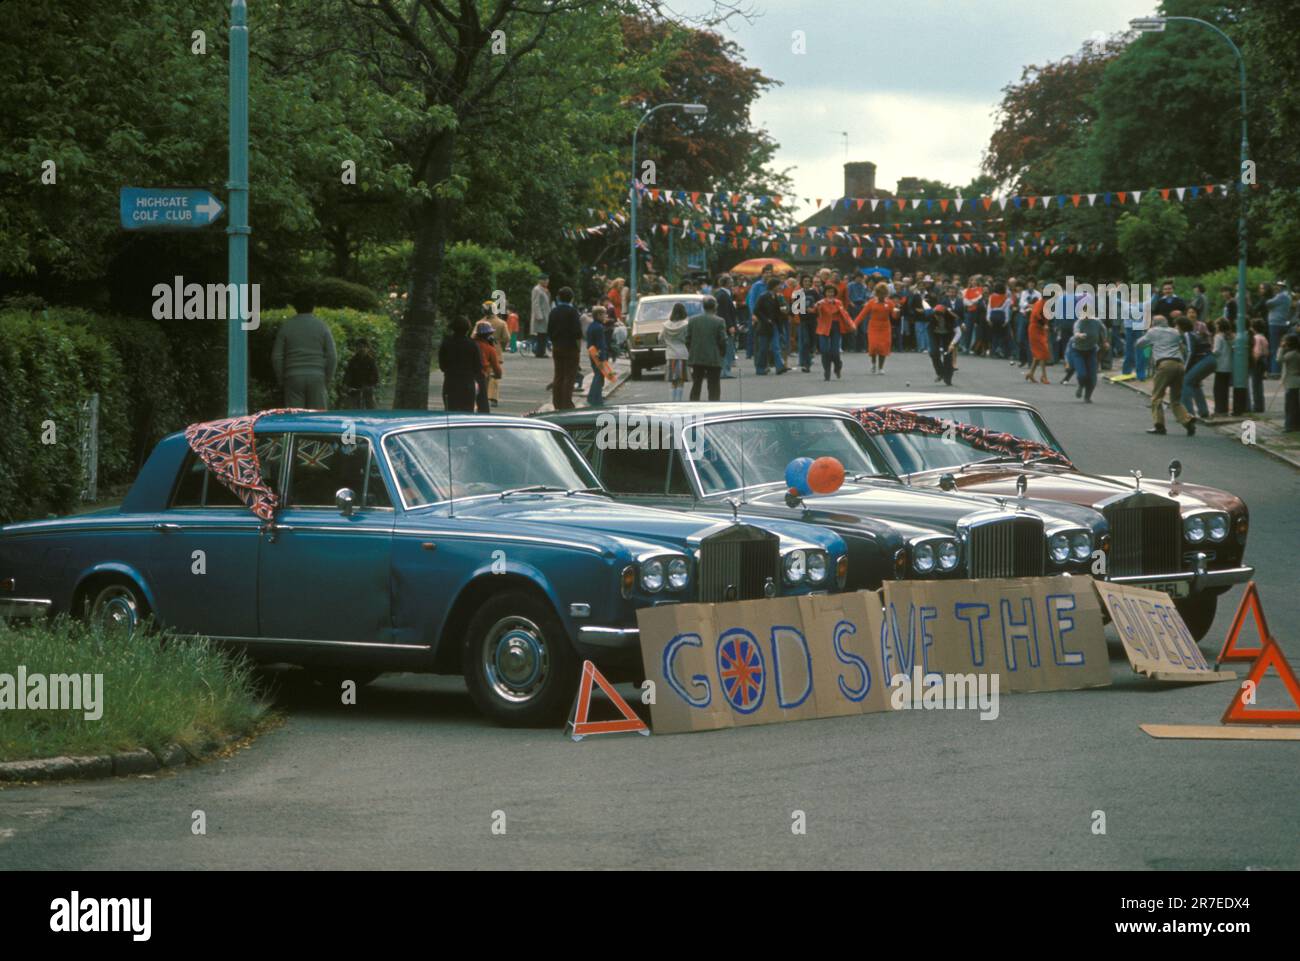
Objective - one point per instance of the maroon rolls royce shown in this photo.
(1188, 540)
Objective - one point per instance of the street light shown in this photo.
(692, 109)
(1240, 366)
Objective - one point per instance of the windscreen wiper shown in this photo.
(589, 490)
(534, 489)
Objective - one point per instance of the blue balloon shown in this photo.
(796, 475)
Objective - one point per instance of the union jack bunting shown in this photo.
(226, 446)
(892, 420)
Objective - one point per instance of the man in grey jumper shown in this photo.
(1168, 353)
(304, 357)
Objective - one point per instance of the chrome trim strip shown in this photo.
(308, 641)
(24, 606)
(521, 538)
(611, 637)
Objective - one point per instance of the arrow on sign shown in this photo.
(212, 208)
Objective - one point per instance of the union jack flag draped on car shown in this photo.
(892, 420)
(227, 448)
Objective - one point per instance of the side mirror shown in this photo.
(1175, 470)
(948, 482)
(344, 499)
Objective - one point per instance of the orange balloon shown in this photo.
(826, 475)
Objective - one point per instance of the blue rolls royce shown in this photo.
(459, 544)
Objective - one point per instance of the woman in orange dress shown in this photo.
(879, 314)
(1038, 346)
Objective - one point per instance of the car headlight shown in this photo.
(817, 566)
(923, 558)
(1217, 528)
(1081, 545)
(795, 566)
(679, 573)
(652, 576)
(1194, 529)
(948, 555)
(1058, 548)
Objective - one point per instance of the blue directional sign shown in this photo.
(168, 208)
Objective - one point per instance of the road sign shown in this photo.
(167, 208)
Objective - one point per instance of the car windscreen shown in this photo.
(490, 459)
(912, 453)
(658, 311)
(767, 446)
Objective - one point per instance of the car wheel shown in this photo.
(1198, 613)
(117, 606)
(519, 665)
(636, 369)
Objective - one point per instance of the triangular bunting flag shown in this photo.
(874, 201)
(582, 706)
(1164, 194)
(958, 201)
(1137, 196)
(1092, 200)
(1075, 198)
(1239, 711)
(1178, 190)
(916, 202)
(1250, 604)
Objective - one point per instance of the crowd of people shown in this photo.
(795, 319)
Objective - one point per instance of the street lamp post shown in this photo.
(238, 230)
(1240, 356)
(695, 110)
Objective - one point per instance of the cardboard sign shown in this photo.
(786, 659)
(1156, 640)
(1037, 633)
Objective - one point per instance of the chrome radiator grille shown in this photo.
(1145, 537)
(1013, 547)
(736, 564)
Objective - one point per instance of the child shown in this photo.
(1288, 356)
(675, 351)
(1222, 365)
(1258, 363)
(489, 353)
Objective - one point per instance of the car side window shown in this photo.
(626, 471)
(321, 465)
(678, 483)
(376, 492)
(189, 489)
(585, 440)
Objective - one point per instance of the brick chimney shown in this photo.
(860, 179)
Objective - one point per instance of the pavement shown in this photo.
(525, 384)
(412, 777)
(1266, 436)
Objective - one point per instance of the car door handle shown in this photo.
(166, 527)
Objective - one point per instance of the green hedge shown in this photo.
(471, 273)
(1213, 281)
(152, 378)
(349, 328)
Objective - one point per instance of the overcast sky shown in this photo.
(914, 82)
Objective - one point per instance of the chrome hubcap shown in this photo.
(116, 608)
(515, 659)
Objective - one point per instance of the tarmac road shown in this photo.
(411, 776)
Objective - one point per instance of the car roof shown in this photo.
(642, 298)
(696, 411)
(900, 398)
(381, 421)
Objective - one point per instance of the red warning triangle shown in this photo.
(1237, 712)
(1249, 603)
(578, 720)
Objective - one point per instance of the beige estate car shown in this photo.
(645, 341)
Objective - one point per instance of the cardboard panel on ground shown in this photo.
(768, 661)
(1037, 633)
(1156, 640)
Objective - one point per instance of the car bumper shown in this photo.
(1187, 583)
(648, 356)
(24, 607)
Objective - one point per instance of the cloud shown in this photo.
(905, 135)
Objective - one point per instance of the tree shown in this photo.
(1152, 240)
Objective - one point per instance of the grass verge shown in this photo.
(157, 689)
